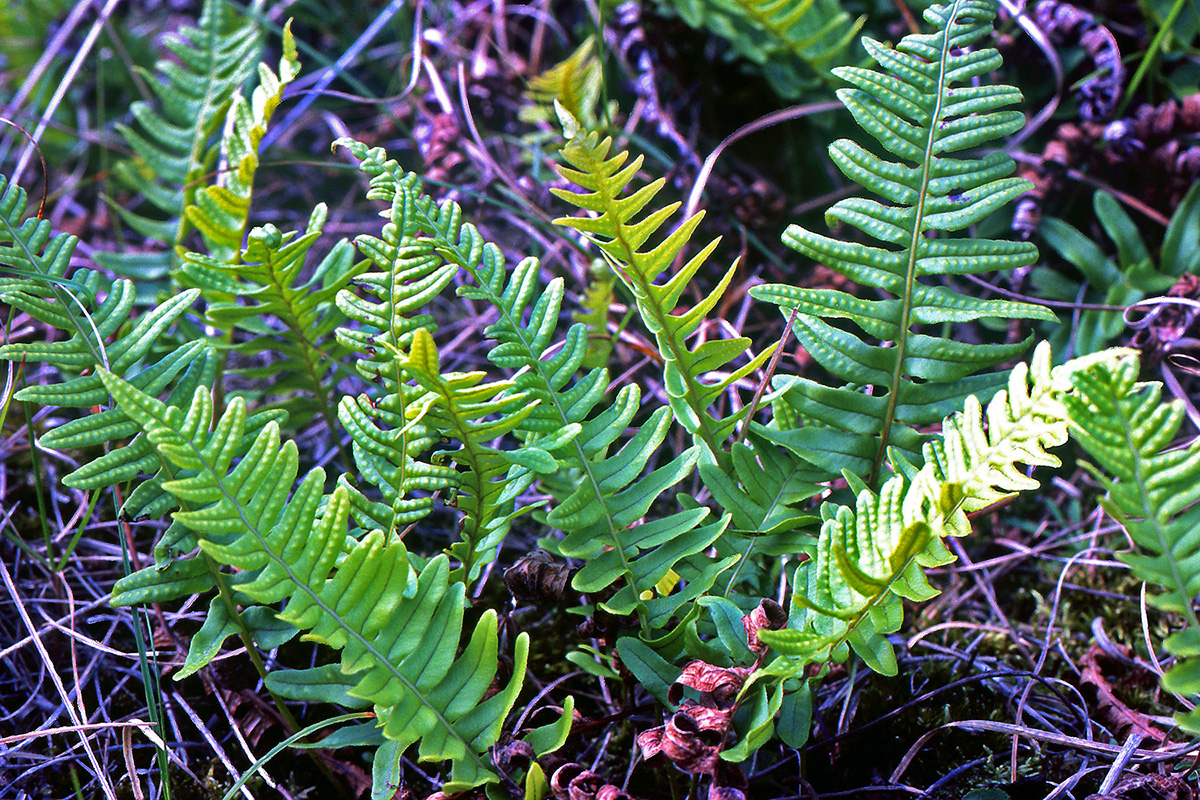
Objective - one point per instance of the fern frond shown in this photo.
(917, 110)
(622, 236)
(473, 413)
(174, 144)
(98, 335)
(266, 280)
(1153, 491)
(815, 31)
(406, 275)
(397, 629)
(577, 83)
(559, 431)
(870, 556)
(793, 42)
(220, 212)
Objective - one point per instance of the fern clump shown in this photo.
(683, 512)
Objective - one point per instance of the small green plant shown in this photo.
(1134, 274)
(683, 545)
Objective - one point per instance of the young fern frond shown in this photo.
(1154, 493)
(622, 236)
(397, 628)
(220, 212)
(577, 83)
(472, 413)
(919, 111)
(174, 146)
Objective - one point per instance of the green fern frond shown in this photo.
(593, 312)
(622, 236)
(38, 260)
(99, 334)
(266, 280)
(397, 628)
(608, 495)
(406, 275)
(174, 144)
(472, 413)
(867, 558)
(816, 31)
(919, 111)
(793, 42)
(220, 212)
(1153, 489)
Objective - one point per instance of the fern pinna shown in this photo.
(919, 111)
(1153, 489)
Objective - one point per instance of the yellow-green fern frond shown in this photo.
(576, 82)
(695, 377)
(220, 211)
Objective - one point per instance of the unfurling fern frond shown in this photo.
(398, 629)
(1154, 493)
(921, 108)
(174, 145)
(622, 233)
